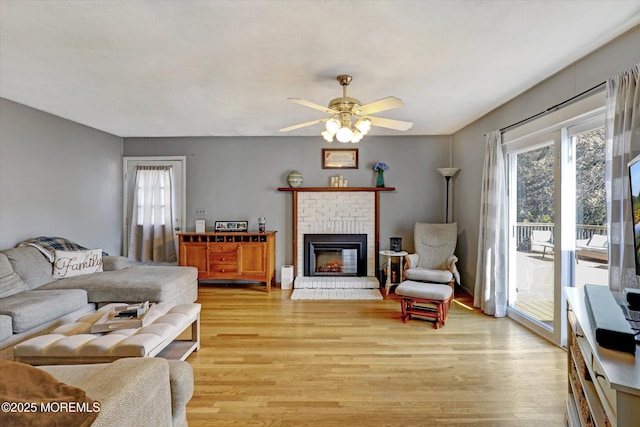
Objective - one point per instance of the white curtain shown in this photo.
(151, 237)
(491, 273)
(622, 134)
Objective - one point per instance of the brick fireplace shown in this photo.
(336, 211)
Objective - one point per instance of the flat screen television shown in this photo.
(634, 186)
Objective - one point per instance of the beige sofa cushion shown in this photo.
(134, 284)
(112, 262)
(10, 282)
(432, 291)
(33, 308)
(31, 265)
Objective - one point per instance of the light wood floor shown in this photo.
(269, 361)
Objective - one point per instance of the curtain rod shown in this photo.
(556, 107)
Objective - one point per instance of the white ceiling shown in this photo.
(226, 68)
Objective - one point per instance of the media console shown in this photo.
(604, 384)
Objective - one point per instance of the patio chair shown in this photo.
(543, 239)
(597, 247)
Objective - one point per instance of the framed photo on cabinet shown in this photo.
(231, 225)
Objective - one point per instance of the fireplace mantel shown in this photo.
(316, 189)
(375, 191)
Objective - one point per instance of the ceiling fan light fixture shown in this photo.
(357, 136)
(333, 125)
(345, 134)
(350, 120)
(363, 125)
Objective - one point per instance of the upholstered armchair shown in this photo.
(434, 260)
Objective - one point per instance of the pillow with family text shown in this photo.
(76, 263)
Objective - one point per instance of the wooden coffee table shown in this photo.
(162, 336)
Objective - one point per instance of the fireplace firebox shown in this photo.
(335, 254)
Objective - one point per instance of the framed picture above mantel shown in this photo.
(339, 158)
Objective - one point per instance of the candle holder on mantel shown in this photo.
(448, 173)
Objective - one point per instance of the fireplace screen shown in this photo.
(335, 255)
(336, 260)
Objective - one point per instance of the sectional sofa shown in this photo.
(33, 302)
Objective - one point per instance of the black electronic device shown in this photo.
(610, 326)
(127, 314)
(633, 298)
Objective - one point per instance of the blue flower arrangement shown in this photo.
(380, 166)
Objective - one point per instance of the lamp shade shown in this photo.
(448, 172)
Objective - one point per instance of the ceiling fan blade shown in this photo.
(301, 125)
(312, 105)
(383, 104)
(390, 123)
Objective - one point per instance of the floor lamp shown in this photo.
(448, 173)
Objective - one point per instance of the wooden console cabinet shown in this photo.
(604, 385)
(231, 255)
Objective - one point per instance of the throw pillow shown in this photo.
(76, 263)
(32, 397)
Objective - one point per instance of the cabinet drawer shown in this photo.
(223, 247)
(223, 270)
(602, 383)
(223, 258)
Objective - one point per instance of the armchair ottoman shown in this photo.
(429, 300)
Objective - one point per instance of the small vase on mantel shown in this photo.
(380, 167)
(295, 179)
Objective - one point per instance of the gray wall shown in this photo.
(238, 177)
(58, 178)
(468, 143)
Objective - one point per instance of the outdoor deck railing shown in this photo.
(524, 229)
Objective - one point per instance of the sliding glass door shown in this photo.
(532, 228)
(557, 215)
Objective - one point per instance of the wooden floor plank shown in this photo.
(269, 361)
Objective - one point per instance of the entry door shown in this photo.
(178, 201)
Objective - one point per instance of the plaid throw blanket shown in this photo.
(48, 246)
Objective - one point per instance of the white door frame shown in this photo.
(179, 220)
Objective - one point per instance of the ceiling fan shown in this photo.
(349, 120)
